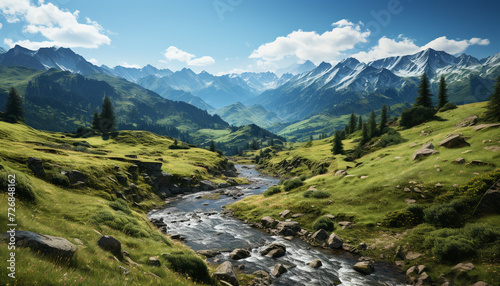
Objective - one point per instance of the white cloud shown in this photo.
(201, 62)
(1, 25)
(127, 65)
(94, 61)
(403, 46)
(60, 28)
(175, 54)
(329, 46)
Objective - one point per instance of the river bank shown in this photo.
(200, 220)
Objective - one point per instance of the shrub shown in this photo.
(120, 205)
(448, 106)
(292, 184)
(400, 218)
(392, 137)
(24, 190)
(59, 179)
(271, 191)
(416, 115)
(475, 188)
(453, 249)
(189, 264)
(316, 194)
(324, 223)
(481, 233)
(120, 221)
(444, 215)
(303, 178)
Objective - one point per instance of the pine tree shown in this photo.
(107, 117)
(96, 121)
(310, 138)
(337, 148)
(352, 123)
(212, 146)
(360, 123)
(14, 108)
(365, 136)
(383, 119)
(373, 132)
(424, 95)
(493, 107)
(442, 96)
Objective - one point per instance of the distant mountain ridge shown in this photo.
(352, 86)
(238, 114)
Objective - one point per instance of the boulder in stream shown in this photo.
(226, 273)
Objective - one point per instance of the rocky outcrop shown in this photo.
(490, 202)
(274, 250)
(316, 263)
(268, 221)
(226, 273)
(334, 241)
(454, 141)
(239, 253)
(364, 267)
(52, 246)
(463, 267)
(278, 270)
(75, 176)
(320, 235)
(208, 185)
(208, 253)
(423, 153)
(469, 121)
(288, 228)
(262, 278)
(484, 126)
(111, 244)
(153, 261)
(36, 165)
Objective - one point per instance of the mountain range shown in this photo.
(352, 86)
(302, 91)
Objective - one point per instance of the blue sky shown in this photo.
(249, 35)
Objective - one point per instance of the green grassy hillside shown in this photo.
(384, 184)
(87, 211)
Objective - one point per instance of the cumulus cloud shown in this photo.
(203, 61)
(94, 61)
(304, 45)
(175, 54)
(403, 46)
(1, 25)
(59, 27)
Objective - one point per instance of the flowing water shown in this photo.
(200, 221)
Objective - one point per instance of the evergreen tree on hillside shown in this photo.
(14, 108)
(107, 116)
(424, 95)
(96, 121)
(360, 123)
(352, 123)
(493, 107)
(337, 148)
(365, 136)
(212, 146)
(373, 132)
(383, 119)
(442, 96)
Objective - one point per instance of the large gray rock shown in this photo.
(208, 253)
(274, 250)
(75, 176)
(315, 263)
(36, 165)
(490, 202)
(334, 241)
(53, 246)
(111, 244)
(423, 153)
(484, 126)
(364, 267)
(162, 179)
(239, 253)
(226, 273)
(268, 221)
(288, 228)
(320, 235)
(454, 141)
(262, 278)
(469, 121)
(278, 270)
(208, 185)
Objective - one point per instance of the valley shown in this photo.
(245, 143)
